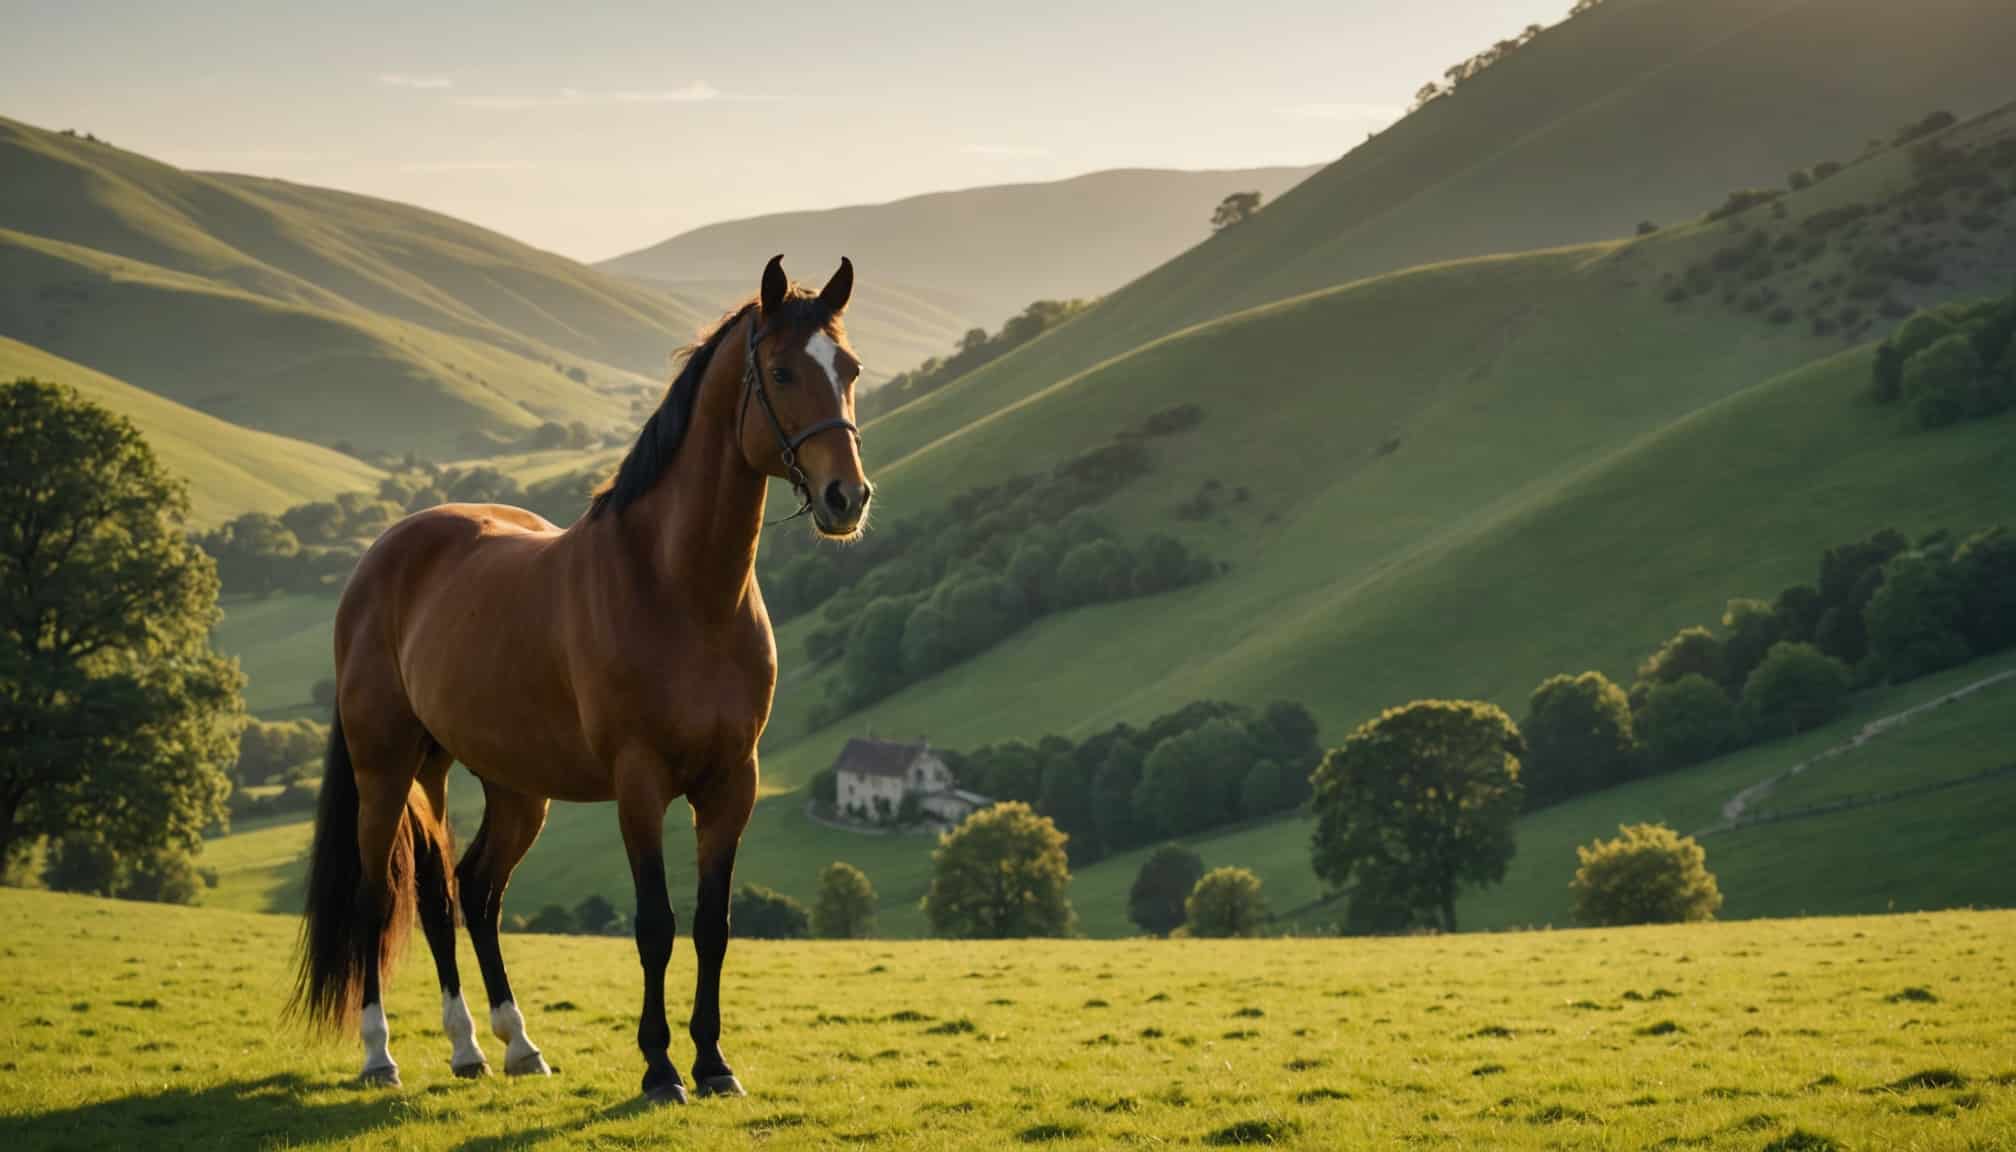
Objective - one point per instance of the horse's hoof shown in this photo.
(669, 1091)
(530, 1064)
(385, 1077)
(475, 1071)
(723, 1085)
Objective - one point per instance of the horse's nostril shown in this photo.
(836, 498)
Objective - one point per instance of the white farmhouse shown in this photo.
(873, 777)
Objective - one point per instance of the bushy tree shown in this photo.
(760, 913)
(81, 863)
(1157, 903)
(1001, 874)
(164, 877)
(1267, 789)
(1094, 571)
(1914, 620)
(1945, 383)
(1688, 721)
(116, 718)
(1422, 799)
(1578, 738)
(1191, 781)
(1796, 688)
(552, 920)
(1647, 875)
(269, 752)
(874, 660)
(1113, 786)
(1066, 798)
(1752, 627)
(1226, 903)
(846, 905)
(1986, 565)
(595, 914)
(1691, 652)
(1237, 208)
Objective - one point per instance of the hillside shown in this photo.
(146, 1026)
(230, 470)
(1641, 110)
(978, 253)
(314, 313)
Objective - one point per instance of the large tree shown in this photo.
(1001, 874)
(1422, 800)
(1156, 901)
(1578, 736)
(116, 718)
(845, 907)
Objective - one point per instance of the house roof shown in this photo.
(877, 757)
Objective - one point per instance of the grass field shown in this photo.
(141, 1026)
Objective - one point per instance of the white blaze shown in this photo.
(509, 1026)
(377, 1035)
(825, 352)
(461, 1030)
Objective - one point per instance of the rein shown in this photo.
(787, 445)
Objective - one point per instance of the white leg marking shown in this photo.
(520, 1054)
(377, 1039)
(824, 351)
(461, 1031)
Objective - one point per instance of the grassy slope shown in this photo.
(230, 469)
(308, 311)
(1642, 109)
(131, 1025)
(980, 252)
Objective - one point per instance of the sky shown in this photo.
(595, 129)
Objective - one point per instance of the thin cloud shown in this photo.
(467, 166)
(1025, 150)
(1339, 112)
(420, 83)
(698, 92)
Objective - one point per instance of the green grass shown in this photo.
(283, 645)
(141, 1026)
(230, 470)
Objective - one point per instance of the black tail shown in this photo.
(341, 920)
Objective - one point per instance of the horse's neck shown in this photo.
(700, 522)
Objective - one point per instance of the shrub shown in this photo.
(1944, 383)
(552, 920)
(81, 863)
(595, 915)
(1986, 567)
(1157, 903)
(1225, 903)
(1647, 875)
(1578, 738)
(166, 877)
(1002, 874)
(1688, 721)
(760, 913)
(846, 904)
(1796, 688)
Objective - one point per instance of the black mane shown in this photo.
(658, 441)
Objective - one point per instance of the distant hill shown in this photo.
(1640, 110)
(979, 253)
(230, 469)
(314, 313)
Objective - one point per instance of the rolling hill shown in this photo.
(313, 313)
(979, 253)
(230, 469)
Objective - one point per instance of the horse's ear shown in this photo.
(834, 295)
(775, 284)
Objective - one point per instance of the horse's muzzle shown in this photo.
(841, 506)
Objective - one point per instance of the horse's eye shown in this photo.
(780, 376)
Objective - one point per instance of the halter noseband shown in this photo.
(787, 445)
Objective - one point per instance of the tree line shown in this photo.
(976, 349)
(1951, 363)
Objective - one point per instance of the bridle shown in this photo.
(787, 445)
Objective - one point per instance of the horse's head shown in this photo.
(800, 377)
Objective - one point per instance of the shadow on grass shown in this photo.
(284, 1109)
(533, 1137)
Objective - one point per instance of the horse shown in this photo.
(627, 658)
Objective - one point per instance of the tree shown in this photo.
(1688, 721)
(1914, 619)
(552, 920)
(1225, 903)
(1066, 798)
(1752, 627)
(116, 718)
(1796, 688)
(845, 907)
(1113, 785)
(1237, 208)
(1423, 798)
(81, 863)
(1002, 874)
(1691, 652)
(164, 877)
(1578, 738)
(595, 915)
(1945, 382)
(1157, 903)
(1094, 571)
(874, 661)
(760, 913)
(1191, 781)
(1647, 875)
(1267, 788)
(1986, 564)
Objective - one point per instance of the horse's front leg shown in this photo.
(719, 818)
(640, 808)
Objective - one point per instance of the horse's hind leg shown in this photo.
(511, 822)
(386, 753)
(434, 874)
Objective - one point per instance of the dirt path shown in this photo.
(1734, 808)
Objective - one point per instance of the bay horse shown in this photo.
(627, 658)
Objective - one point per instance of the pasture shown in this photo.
(126, 1025)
